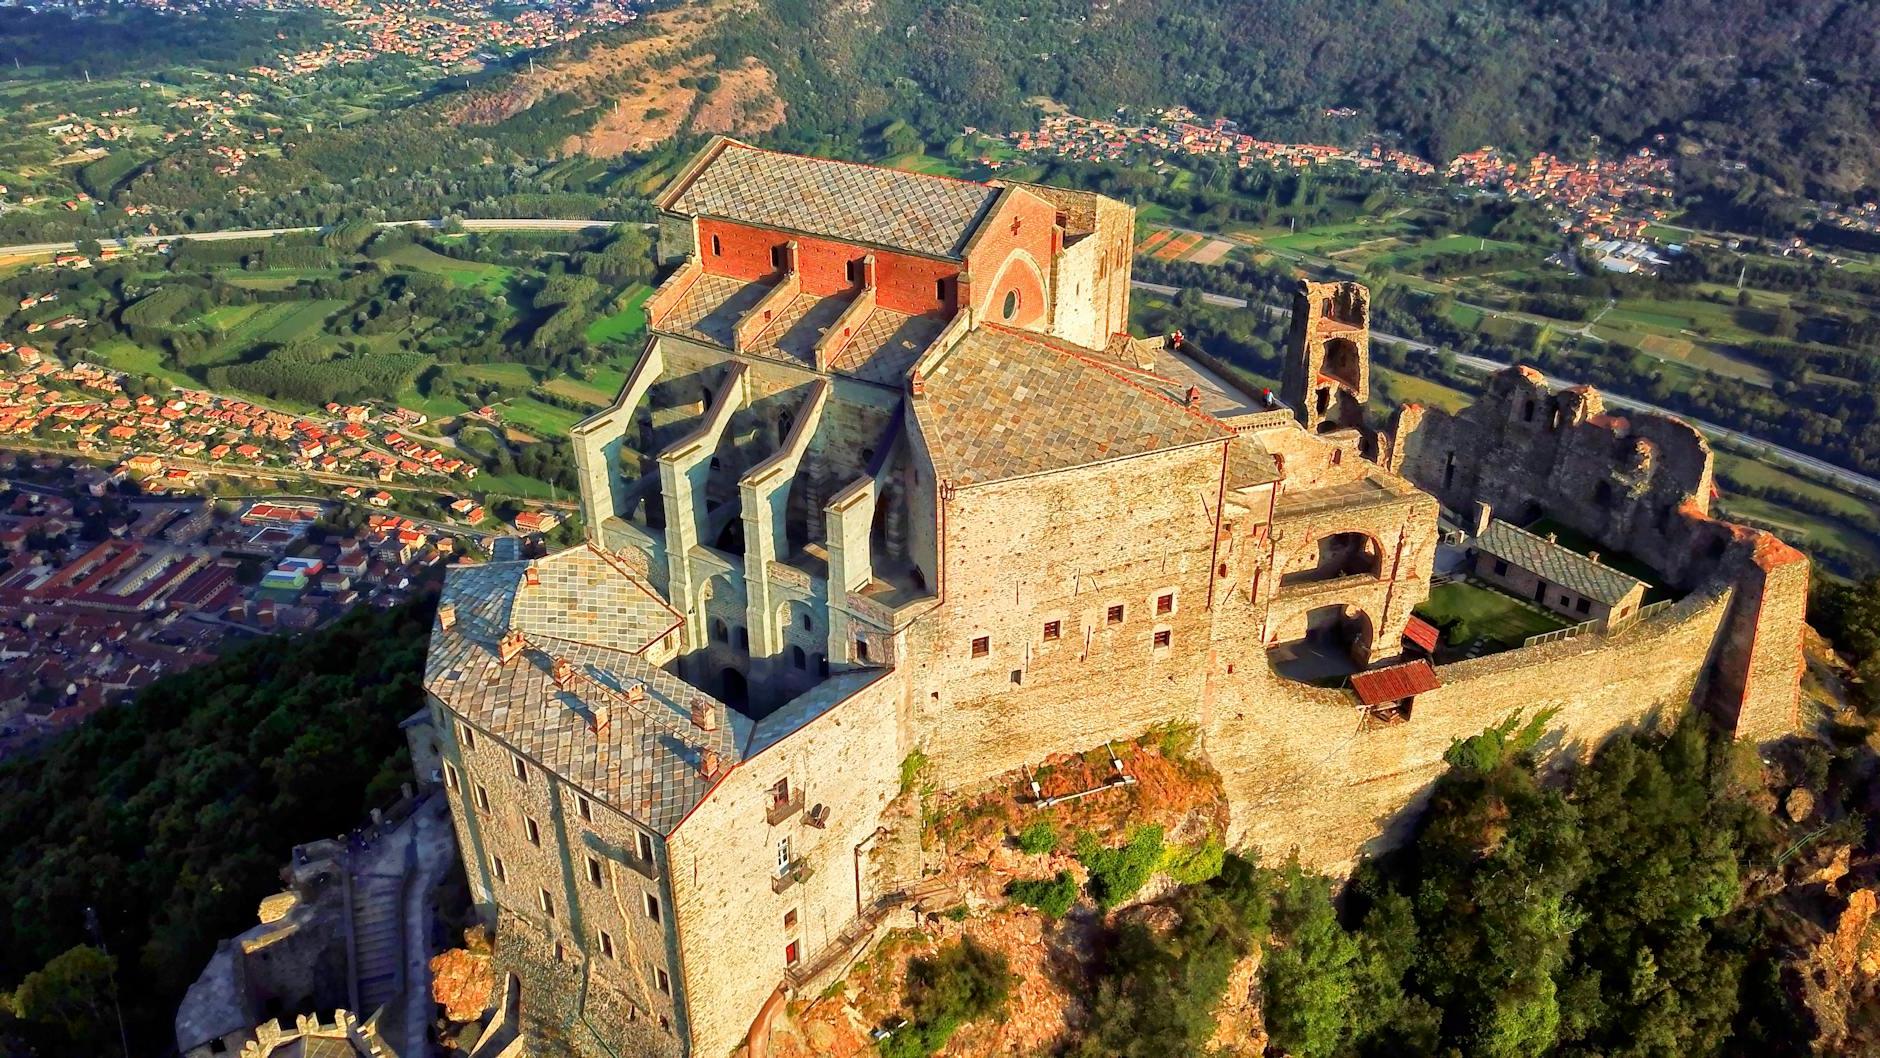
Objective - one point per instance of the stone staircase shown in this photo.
(378, 938)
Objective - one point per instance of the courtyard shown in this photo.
(1476, 619)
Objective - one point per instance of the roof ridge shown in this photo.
(729, 142)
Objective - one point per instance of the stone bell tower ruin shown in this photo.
(1327, 374)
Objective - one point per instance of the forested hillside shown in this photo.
(1787, 87)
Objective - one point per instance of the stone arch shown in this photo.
(1344, 362)
(1019, 285)
(737, 692)
(1346, 553)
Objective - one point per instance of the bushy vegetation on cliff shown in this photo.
(172, 816)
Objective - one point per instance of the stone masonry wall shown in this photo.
(1066, 547)
(732, 922)
(1300, 774)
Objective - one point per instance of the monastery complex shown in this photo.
(893, 478)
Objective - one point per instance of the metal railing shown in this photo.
(1599, 627)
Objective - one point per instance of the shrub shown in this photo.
(1117, 874)
(1192, 865)
(1053, 896)
(1039, 837)
(953, 986)
(911, 767)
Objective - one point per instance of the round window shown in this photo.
(1011, 304)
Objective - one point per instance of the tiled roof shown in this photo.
(1422, 633)
(1395, 683)
(854, 203)
(646, 759)
(1555, 564)
(1002, 404)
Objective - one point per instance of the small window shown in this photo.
(665, 1023)
(652, 906)
(534, 832)
(1115, 616)
(780, 793)
(469, 736)
(646, 846)
(519, 766)
(855, 271)
(1501, 568)
(780, 257)
(861, 650)
(982, 645)
(483, 798)
(798, 659)
(607, 944)
(743, 635)
(1010, 308)
(1053, 630)
(717, 247)
(940, 290)
(594, 872)
(1165, 603)
(497, 868)
(545, 902)
(450, 778)
(665, 985)
(789, 919)
(1584, 606)
(1162, 638)
(585, 807)
(1018, 676)
(808, 624)
(791, 956)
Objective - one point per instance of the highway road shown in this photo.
(1840, 477)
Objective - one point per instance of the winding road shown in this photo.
(1820, 469)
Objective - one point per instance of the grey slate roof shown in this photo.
(646, 760)
(1555, 563)
(931, 215)
(1003, 404)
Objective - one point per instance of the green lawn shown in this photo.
(542, 420)
(225, 318)
(128, 356)
(1399, 389)
(491, 278)
(627, 321)
(1490, 616)
(502, 374)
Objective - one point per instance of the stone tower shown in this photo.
(1327, 376)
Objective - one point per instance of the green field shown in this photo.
(629, 320)
(1490, 616)
(501, 374)
(542, 420)
(574, 389)
(1399, 389)
(489, 277)
(224, 318)
(124, 355)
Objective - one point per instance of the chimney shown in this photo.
(1551, 539)
(708, 762)
(603, 715)
(917, 385)
(510, 646)
(636, 693)
(1194, 396)
(1593, 557)
(1484, 514)
(447, 616)
(532, 577)
(563, 673)
(704, 716)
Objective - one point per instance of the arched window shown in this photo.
(784, 422)
(798, 659)
(807, 623)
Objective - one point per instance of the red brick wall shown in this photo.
(1023, 222)
(904, 283)
(1020, 278)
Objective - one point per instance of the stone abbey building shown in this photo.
(892, 476)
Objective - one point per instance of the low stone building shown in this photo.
(892, 478)
(1575, 586)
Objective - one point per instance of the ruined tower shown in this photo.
(1327, 375)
